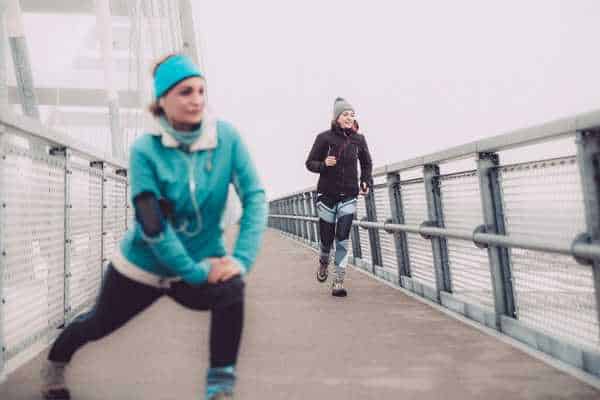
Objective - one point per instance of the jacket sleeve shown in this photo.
(366, 165)
(254, 207)
(163, 242)
(316, 158)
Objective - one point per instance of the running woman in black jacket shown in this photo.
(334, 157)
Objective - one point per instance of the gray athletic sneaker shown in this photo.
(322, 272)
(337, 289)
(53, 381)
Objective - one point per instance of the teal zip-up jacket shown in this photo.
(195, 183)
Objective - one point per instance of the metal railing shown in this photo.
(63, 207)
(514, 247)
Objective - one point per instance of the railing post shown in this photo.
(295, 213)
(103, 214)
(290, 212)
(309, 230)
(280, 221)
(588, 157)
(269, 213)
(303, 213)
(316, 215)
(284, 221)
(355, 234)
(491, 205)
(284, 211)
(2, 265)
(297, 226)
(400, 242)
(373, 233)
(275, 221)
(431, 174)
(67, 238)
(310, 213)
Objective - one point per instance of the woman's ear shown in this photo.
(161, 102)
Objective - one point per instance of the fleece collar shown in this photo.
(206, 141)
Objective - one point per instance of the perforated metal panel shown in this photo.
(115, 206)
(84, 222)
(386, 240)
(420, 255)
(552, 293)
(469, 265)
(365, 244)
(32, 243)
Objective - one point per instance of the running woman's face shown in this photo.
(346, 119)
(184, 103)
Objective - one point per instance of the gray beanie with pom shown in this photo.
(339, 106)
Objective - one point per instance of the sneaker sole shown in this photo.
(56, 394)
(321, 278)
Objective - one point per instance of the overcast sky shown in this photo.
(423, 75)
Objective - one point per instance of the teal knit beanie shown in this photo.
(172, 71)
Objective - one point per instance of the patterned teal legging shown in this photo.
(335, 222)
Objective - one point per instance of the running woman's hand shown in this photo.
(330, 161)
(222, 269)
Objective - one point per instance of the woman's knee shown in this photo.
(344, 227)
(230, 292)
(88, 326)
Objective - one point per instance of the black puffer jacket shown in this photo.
(348, 148)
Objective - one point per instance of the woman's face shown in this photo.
(184, 103)
(346, 119)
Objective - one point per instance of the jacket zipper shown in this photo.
(341, 153)
(190, 159)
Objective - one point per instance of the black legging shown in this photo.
(121, 299)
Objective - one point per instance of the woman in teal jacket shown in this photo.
(179, 177)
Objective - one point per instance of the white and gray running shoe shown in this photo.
(337, 289)
(53, 381)
(323, 271)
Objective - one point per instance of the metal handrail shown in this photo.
(577, 249)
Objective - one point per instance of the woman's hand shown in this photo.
(364, 188)
(222, 269)
(330, 161)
